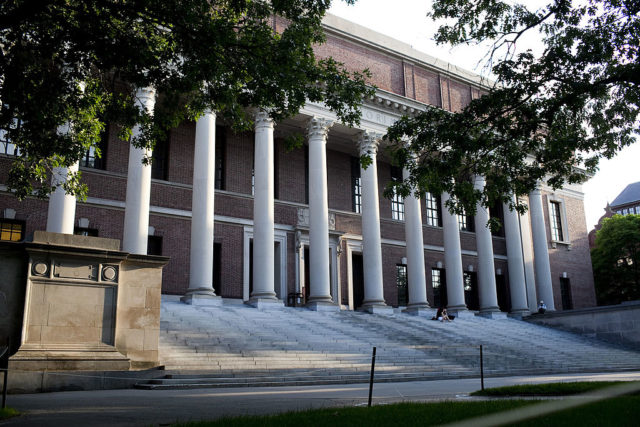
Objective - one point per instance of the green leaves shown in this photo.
(615, 259)
(224, 55)
(549, 118)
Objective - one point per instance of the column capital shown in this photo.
(262, 120)
(318, 127)
(145, 98)
(536, 191)
(368, 142)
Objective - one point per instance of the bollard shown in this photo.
(373, 367)
(481, 370)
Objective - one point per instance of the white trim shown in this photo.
(437, 248)
(354, 244)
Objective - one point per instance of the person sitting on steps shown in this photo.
(542, 307)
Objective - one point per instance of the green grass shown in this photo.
(8, 413)
(552, 389)
(618, 412)
(394, 414)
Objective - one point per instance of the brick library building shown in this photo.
(242, 217)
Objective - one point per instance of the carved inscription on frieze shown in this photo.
(303, 218)
(75, 271)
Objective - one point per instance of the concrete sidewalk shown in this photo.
(148, 407)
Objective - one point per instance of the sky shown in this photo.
(406, 20)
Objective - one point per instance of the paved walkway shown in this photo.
(157, 408)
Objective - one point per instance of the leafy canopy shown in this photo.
(548, 118)
(80, 62)
(616, 259)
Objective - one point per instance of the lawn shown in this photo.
(617, 411)
(551, 389)
(7, 413)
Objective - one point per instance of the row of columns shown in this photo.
(135, 233)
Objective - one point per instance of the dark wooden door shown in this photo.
(357, 272)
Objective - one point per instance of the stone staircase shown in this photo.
(235, 345)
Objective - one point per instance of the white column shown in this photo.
(62, 206)
(452, 258)
(540, 250)
(201, 255)
(415, 254)
(319, 274)
(486, 270)
(136, 213)
(527, 253)
(515, 262)
(263, 295)
(371, 241)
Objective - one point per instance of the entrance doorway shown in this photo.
(471, 290)
(307, 275)
(504, 300)
(357, 272)
(565, 293)
(439, 286)
(217, 273)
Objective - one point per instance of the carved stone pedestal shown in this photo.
(87, 305)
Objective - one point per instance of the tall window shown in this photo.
(90, 158)
(356, 186)
(6, 146)
(160, 159)
(11, 230)
(495, 211)
(397, 201)
(221, 144)
(556, 222)
(434, 218)
(465, 222)
(401, 282)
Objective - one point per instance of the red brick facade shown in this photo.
(171, 199)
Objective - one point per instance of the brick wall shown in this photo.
(573, 259)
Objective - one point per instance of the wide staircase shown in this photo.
(235, 345)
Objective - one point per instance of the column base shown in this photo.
(376, 307)
(262, 303)
(322, 306)
(519, 314)
(420, 310)
(492, 314)
(461, 312)
(202, 296)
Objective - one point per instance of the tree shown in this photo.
(547, 118)
(79, 63)
(616, 259)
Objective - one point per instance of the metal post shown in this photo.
(373, 367)
(4, 389)
(481, 370)
(4, 364)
